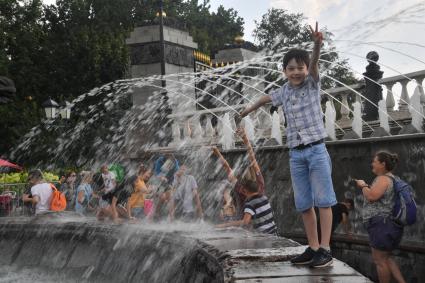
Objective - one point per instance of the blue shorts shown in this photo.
(384, 234)
(311, 171)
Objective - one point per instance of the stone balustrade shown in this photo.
(349, 95)
(205, 126)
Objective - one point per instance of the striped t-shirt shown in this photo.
(262, 216)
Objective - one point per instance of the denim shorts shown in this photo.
(384, 234)
(311, 171)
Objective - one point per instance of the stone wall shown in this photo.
(350, 159)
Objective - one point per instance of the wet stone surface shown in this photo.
(69, 249)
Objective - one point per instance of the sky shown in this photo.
(359, 26)
(393, 28)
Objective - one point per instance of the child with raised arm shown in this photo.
(257, 212)
(253, 173)
(309, 160)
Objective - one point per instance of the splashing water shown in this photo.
(227, 139)
(357, 124)
(330, 116)
(383, 115)
(276, 131)
(249, 128)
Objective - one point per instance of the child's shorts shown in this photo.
(311, 170)
(384, 234)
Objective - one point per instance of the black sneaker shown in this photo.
(321, 258)
(305, 258)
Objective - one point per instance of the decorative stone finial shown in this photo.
(239, 39)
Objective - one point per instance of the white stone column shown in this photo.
(404, 99)
(421, 89)
(390, 97)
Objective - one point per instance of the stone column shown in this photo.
(421, 89)
(404, 99)
(145, 60)
(390, 96)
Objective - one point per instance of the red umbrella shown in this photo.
(6, 164)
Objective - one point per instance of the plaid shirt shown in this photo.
(303, 112)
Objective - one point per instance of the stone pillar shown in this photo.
(421, 89)
(176, 92)
(145, 58)
(390, 96)
(404, 98)
(240, 51)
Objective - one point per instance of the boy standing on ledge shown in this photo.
(309, 161)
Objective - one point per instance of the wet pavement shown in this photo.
(264, 258)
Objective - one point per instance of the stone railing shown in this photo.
(343, 93)
(206, 127)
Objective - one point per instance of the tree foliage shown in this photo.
(280, 30)
(64, 50)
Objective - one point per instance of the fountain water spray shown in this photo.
(249, 128)
(227, 139)
(209, 130)
(276, 131)
(357, 124)
(383, 115)
(330, 117)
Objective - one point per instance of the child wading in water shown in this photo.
(309, 160)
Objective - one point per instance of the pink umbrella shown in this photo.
(4, 164)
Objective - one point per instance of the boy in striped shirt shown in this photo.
(257, 211)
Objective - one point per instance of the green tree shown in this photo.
(21, 60)
(279, 30)
(64, 50)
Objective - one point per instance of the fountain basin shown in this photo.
(61, 248)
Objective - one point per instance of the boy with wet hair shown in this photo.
(257, 211)
(309, 160)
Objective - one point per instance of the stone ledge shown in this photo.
(88, 250)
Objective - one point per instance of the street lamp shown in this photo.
(50, 106)
(65, 111)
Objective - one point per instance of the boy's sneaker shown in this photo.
(321, 258)
(305, 258)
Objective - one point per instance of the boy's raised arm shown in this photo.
(251, 155)
(317, 37)
(225, 164)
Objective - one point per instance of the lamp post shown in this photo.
(50, 106)
(52, 109)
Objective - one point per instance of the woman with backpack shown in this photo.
(84, 193)
(379, 199)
